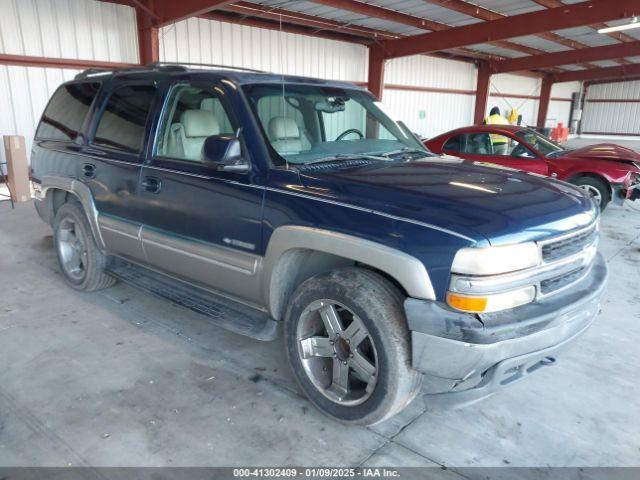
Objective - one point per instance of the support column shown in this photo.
(545, 97)
(482, 91)
(376, 70)
(148, 42)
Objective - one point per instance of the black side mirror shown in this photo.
(224, 153)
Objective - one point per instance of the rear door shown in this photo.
(478, 147)
(113, 160)
(200, 224)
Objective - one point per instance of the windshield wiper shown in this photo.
(345, 156)
(406, 151)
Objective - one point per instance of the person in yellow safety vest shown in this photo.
(499, 142)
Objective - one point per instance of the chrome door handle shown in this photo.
(89, 170)
(152, 184)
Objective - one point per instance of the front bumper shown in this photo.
(622, 192)
(478, 354)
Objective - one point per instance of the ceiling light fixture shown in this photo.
(627, 26)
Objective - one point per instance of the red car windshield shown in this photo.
(544, 145)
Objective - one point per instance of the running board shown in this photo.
(221, 311)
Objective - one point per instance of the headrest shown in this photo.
(282, 128)
(207, 104)
(199, 123)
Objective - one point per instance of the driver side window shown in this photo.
(518, 150)
(190, 116)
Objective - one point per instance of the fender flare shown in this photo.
(82, 193)
(407, 270)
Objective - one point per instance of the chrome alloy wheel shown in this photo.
(337, 352)
(593, 192)
(72, 248)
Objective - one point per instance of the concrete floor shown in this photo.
(121, 378)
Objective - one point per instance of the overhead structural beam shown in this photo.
(567, 57)
(482, 92)
(614, 73)
(171, 11)
(370, 10)
(559, 18)
(621, 37)
(545, 98)
(477, 11)
(376, 71)
(221, 16)
(312, 21)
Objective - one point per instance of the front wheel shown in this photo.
(349, 346)
(597, 189)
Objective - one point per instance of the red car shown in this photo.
(606, 171)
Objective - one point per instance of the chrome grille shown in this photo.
(557, 283)
(568, 245)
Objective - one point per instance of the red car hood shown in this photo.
(605, 151)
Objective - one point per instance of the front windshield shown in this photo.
(310, 123)
(541, 143)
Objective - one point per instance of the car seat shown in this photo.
(187, 137)
(285, 135)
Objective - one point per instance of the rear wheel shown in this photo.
(348, 346)
(81, 261)
(597, 189)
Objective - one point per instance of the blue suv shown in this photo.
(278, 204)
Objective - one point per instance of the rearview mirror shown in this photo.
(224, 153)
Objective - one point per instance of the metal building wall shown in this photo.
(612, 108)
(443, 94)
(560, 110)
(206, 41)
(78, 29)
(506, 84)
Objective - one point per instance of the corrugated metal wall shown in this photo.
(559, 111)
(78, 29)
(515, 84)
(430, 113)
(206, 41)
(612, 108)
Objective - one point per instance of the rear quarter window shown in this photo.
(66, 111)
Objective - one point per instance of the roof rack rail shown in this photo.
(214, 65)
(136, 68)
(159, 66)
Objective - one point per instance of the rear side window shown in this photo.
(66, 111)
(123, 120)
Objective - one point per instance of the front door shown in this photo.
(511, 153)
(200, 224)
(112, 161)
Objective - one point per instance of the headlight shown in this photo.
(492, 302)
(495, 260)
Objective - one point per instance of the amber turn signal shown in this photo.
(467, 304)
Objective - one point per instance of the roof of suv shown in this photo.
(238, 75)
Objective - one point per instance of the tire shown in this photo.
(596, 189)
(370, 312)
(81, 262)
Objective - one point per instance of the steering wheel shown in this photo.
(349, 132)
(520, 151)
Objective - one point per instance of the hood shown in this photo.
(479, 200)
(605, 151)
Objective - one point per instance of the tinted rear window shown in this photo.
(66, 111)
(122, 123)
